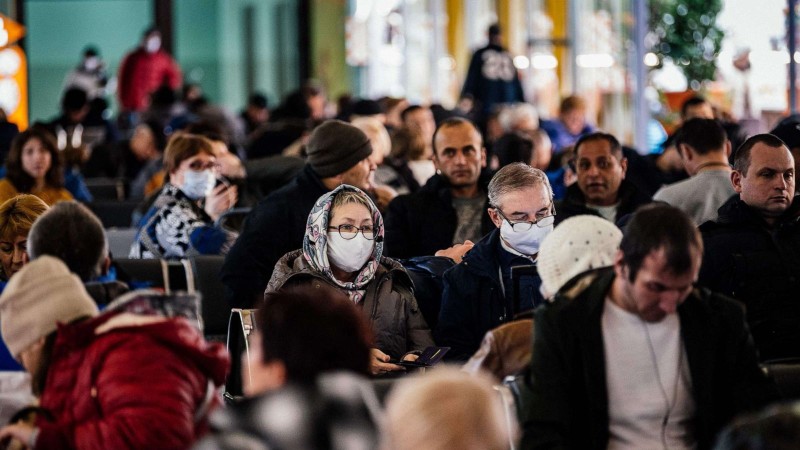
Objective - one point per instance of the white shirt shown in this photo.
(650, 403)
(606, 212)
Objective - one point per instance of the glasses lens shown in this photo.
(368, 233)
(546, 221)
(521, 226)
(348, 231)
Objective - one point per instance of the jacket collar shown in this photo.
(441, 186)
(307, 176)
(736, 211)
(482, 258)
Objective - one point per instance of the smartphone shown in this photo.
(429, 357)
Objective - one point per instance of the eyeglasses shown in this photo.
(347, 231)
(521, 226)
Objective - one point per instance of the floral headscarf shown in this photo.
(315, 243)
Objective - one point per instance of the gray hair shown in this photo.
(511, 114)
(514, 177)
(70, 232)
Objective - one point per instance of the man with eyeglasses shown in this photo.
(450, 208)
(634, 356)
(601, 189)
(477, 293)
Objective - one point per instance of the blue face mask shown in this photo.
(197, 185)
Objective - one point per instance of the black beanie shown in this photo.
(336, 146)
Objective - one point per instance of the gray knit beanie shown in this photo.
(336, 146)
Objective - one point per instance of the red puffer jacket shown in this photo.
(141, 73)
(125, 381)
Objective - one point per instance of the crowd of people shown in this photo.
(628, 299)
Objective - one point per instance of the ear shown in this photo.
(736, 181)
(619, 265)
(496, 219)
(624, 164)
(435, 162)
(728, 149)
(105, 266)
(483, 157)
(685, 152)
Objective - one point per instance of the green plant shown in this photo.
(686, 32)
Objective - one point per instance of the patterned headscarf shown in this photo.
(315, 242)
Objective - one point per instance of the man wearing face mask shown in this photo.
(91, 75)
(477, 293)
(144, 70)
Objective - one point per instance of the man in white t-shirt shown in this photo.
(635, 356)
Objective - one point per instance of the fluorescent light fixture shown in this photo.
(521, 62)
(544, 62)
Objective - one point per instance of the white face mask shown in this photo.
(349, 255)
(152, 44)
(525, 242)
(91, 63)
(197, 185)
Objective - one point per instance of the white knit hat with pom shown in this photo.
(576, 245)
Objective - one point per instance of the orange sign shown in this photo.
(13, 73)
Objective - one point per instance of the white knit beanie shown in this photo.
(576, 245)
(39, 297)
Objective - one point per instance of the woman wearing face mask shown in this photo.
(479, 294)
(33, 167)
(180, 224)
(343, 247)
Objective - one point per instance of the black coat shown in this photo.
(574, 203)
(759, 266)
(569, 401)
(273, 228)
(424, 222)
(474, 302)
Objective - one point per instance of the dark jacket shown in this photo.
(422, 223)
(427, 275)
(759, 266)
(492, 79)
(473, 301)
(388, 304)
(273, 228)
(574, 203)
(569, 401)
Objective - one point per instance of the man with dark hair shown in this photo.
(478, 293)
(704, 148)
(492, 78)
(338, 153)
(753, 247)
(635, 356)
(451, 207)
(70, 232)
(696, 107)
(601, 189)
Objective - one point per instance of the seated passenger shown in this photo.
(180, 224)
(115, 380)
(446, 409)
(343, 247)
(477, 293)
(34, 167)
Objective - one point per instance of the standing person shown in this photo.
(91, 75)
(113, 380)
(635, 356)
(144, 70)
(34, 167)
(492, 78)
(753, 246)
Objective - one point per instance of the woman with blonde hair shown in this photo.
(447, 409)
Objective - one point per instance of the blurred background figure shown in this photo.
(34, 167)
(423, 412)
(91, 75)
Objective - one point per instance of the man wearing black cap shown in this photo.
(338, 153)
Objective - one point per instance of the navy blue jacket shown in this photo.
(492, 79)
(273, 228)
(473, 301)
